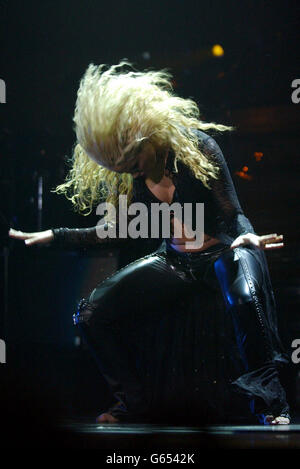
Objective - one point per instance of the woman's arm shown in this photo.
(224, 193)
(84, 237)
(68, 237)
(236, 224)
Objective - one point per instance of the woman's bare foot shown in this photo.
(270, 420)
(106, 418)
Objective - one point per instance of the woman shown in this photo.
(137, 139)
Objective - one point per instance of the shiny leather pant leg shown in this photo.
(144, 286)
(240, 277)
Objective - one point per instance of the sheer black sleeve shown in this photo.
(85, 237)
(229, 209)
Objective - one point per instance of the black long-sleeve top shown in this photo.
(224, 218)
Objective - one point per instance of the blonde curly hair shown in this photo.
(118, 109)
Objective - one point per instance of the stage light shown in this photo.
(258, 155)
(243, 174)
(217, 50)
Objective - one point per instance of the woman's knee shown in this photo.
(119, 292)
(126, 283)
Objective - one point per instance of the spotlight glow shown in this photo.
(217, 50)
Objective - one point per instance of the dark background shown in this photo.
(46, 47)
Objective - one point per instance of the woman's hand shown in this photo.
(269, 241)
(39, 237)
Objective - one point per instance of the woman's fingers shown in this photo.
(265, 241)
(269, 241)
(31, 241)
(32, 238)
(20, 234)
(273, 246)
(271, 237)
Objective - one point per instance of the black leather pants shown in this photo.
(146, 284)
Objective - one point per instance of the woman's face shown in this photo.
(147, 162)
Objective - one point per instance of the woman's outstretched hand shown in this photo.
(38, 237)
(269, 241)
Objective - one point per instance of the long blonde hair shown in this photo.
(117, 109)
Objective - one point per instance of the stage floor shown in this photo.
(150, 437)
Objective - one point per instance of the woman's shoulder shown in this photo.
(206, 142)
(202, 136)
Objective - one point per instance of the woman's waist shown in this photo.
(193, 245)
(209, 252)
